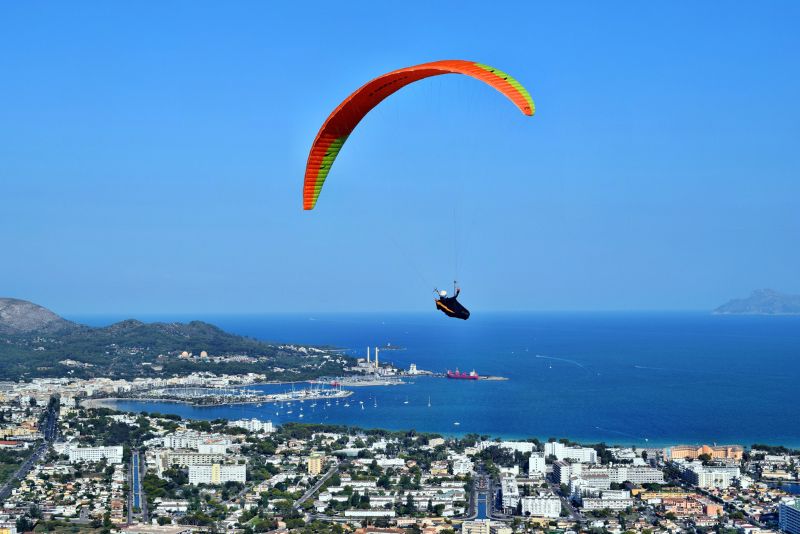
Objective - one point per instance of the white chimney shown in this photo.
(367, 355)
(376, 357)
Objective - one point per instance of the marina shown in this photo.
(199, 396)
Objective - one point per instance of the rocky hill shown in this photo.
(762, 302)
(23, 317)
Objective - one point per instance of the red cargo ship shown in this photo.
(472, 375)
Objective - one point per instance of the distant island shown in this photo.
(35, 342)
(762, 302)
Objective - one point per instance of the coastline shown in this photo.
(449, 433)
(618, 378)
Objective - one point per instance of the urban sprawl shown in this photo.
(69, 464)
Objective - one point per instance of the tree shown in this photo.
(410, 506)
(24, 524)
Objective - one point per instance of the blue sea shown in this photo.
(628, 378)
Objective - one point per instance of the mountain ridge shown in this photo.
(35, 341)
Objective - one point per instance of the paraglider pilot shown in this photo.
(450, 305)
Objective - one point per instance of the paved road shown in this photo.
(574, 514)
(315, 488)
(50, 433)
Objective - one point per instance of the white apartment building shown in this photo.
(254, 425)
(519, 446)
(167, 459)
(536, 464)
(217, 474)
(112, 455)
(385, 463)
(588, 484)
(789, 516)
(192, 440)
(585, 455)
(462, 465)
(186, 459)
(563, 470)
(542, 505)
(212, 448)
(611, 499)
(182, 440)
(636, 475)
(509, 491)
(712, 476)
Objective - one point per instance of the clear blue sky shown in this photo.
(152, 155)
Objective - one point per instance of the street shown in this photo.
(308, 494)
(50, 432)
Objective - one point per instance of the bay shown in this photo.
(632, 378)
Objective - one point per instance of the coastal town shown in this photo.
(399, 267)
(70, 464)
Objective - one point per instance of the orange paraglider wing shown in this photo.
(348, 114)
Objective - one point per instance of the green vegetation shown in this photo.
(10, 461)
(66, 527)
(132, 349)
(774, 449)
(101, 429)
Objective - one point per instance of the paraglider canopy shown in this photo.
(348, 114)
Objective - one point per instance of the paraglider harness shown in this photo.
(450, 305)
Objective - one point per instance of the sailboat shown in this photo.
(405, 401)
(429, 402)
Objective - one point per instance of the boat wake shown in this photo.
(565, 360)
(651, 368)
(626, 434)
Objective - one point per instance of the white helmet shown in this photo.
(442, 293)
